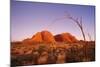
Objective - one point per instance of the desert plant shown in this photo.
(42, 48)
(80, 25)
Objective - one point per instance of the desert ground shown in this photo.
(44, 48)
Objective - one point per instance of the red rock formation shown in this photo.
(37, 38)
(27, 41)
(40, 37)
(47, 37)
(65, 37)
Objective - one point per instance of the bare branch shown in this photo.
(81, 21)
(89, 37)
(76, 20)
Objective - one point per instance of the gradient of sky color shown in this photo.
(27, 18)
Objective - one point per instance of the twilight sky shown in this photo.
(27, 18)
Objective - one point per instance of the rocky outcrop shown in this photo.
(41, 37)
(65, 37)
(47, 37)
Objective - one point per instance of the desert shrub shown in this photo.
(73, 54)
(42, 48)
(51, 54)
(61, 55)
(43, 58)
(24, 60)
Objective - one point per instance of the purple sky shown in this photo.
(27, 18)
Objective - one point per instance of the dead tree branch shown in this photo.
(79, 23)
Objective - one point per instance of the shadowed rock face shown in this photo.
(65, 37)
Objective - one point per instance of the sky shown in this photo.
(28, 18)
